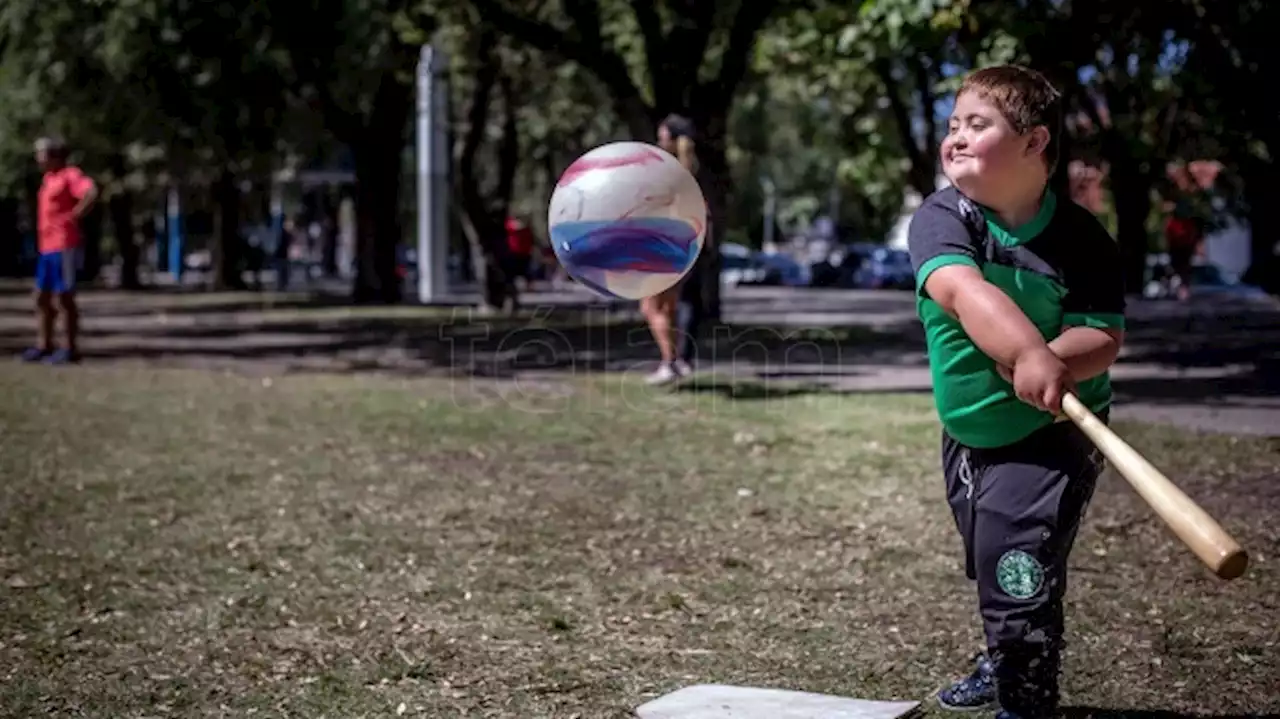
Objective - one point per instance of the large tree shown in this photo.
(223, 96)
(353, 62)
(484, 197)
(193, 96)
(80, 97)
(653, 58)
(1232, 54)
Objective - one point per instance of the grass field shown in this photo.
(197, 544)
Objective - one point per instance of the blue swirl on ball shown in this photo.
(648, 245)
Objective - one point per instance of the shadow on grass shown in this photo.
(1096, 713)
(334, 336)
(746, 390)
(324, 332)
(1255, 386)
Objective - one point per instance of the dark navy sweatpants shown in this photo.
(1018, 509)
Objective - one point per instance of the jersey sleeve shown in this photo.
(78, 183)
(936, 238)
(1095, 287)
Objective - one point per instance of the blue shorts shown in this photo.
(56, 272)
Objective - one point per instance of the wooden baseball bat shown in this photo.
(1193, 525)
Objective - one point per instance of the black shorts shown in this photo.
(1018, 509)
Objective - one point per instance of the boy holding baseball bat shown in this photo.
(1022, 301)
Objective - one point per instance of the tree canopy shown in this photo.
(838, 108)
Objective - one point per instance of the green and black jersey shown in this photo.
(1062, 268)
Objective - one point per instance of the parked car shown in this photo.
(786, 270)
(738, 269)
(741, 265)
(1206, 279)
(883, 269)
(837, 264)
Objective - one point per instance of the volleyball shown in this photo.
(627, 220)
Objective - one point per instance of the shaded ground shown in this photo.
(211, 543)
(559, 334)
(1210, 366)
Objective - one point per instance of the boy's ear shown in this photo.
(1038, 140)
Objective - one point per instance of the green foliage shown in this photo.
(835, 100)
(170, 91)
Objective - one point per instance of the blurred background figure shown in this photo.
(1086, 186)
(1184, 226)
(284, 253)
(520, 246)
(675, 316)
(65, 195)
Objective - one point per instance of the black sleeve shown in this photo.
(939, 236)
(1095, 284)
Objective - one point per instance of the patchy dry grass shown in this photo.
(190, 544)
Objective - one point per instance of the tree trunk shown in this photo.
(481, 221)
(922, 170)
(377, 223)
(716, 185)
(378, 152)
(508, 147)
(120, 208)
(10, 237)
(1131, 190)
(1261, 186)
(328, 235)
(926, 175)
(228, 253)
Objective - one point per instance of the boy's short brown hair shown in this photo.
(1025, 97)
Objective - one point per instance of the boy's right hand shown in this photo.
(1041, 378)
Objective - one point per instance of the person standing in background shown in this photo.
(520, 244)
(675, 316)
(1185, 225)
(66, 194)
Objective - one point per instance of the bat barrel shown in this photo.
(1204, 536)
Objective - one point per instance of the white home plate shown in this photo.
(716, 701)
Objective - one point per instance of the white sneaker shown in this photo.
(665, 374)
(682, 368)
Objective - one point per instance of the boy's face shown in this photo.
(983, 156)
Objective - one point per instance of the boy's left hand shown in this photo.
(1005, 373)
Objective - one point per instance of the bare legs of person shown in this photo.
(659, 312)
(70, 326)
(46, 317)
(48, 306)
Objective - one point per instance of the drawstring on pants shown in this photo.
(966, 474)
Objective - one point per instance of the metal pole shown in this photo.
(770, 210)
(174, 214)
(277, 234)
(433, 175)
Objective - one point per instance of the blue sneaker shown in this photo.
(975, 692)
(63, 356)
(33, 354)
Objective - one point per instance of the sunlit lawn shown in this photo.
(194, 543)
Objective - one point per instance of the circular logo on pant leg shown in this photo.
(1019, 574)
